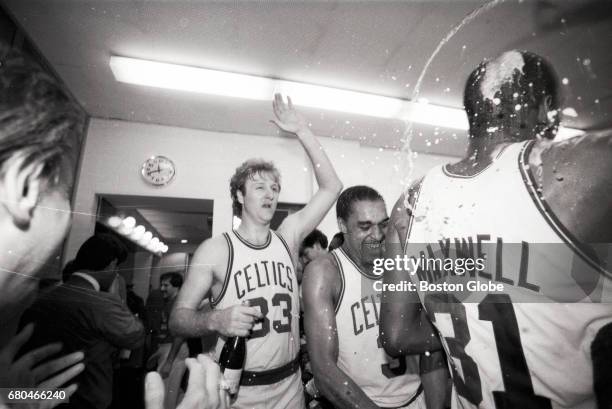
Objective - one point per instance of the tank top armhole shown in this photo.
(230, 262)
(282, 239)
(342, 281)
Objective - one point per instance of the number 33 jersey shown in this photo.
(265, 277)
(527, 345)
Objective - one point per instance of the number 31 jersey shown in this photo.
(265, 277)
(527, 346)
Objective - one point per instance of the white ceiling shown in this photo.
(378, 47)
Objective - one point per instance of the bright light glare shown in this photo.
(213, 82)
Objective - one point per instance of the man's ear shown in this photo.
(21, 190)
(240, 197)
(342, 225)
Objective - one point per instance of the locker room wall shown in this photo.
(115, 150)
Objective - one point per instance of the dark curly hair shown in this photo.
(315, 236)
(344, 205)
(96, 253)
(175, 278)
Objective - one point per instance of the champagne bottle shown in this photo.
(311, 389)
(231, 362)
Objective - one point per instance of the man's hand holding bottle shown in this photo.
(237, 320)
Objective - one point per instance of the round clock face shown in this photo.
(158, 170)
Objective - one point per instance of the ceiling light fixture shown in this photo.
(214, 82)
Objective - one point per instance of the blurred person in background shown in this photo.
(171, 351)
(84, 316)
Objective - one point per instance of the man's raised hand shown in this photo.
(286, 117)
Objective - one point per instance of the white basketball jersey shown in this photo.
(386, 381)
(265, 276)
(529, 345)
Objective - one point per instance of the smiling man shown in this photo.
(171, 352)
(341, 316)
(249, 274)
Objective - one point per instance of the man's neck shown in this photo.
(255, 233)
(481, 152)
(366, 268)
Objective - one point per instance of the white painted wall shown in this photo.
(205, 161)
(142, 273)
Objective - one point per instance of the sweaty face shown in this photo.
(167, 289)
(365, 229)
(260, 197)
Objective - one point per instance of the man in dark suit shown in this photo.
(84, 316)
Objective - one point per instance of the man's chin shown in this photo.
(369, 257)
(266, 217)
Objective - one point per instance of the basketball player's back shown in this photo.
(534, 216)
(528, 345)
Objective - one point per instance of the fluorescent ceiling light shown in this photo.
(213, 82)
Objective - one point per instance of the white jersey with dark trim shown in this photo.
(386, 381)
(527, 346)
(265, 276)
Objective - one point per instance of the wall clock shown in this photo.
(158, 170)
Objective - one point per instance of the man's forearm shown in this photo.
(191, 323)
(341, 390)
(435, 379)
(321, 165)
(414, 335)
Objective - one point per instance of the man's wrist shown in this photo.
(304, 132)
(212, 321)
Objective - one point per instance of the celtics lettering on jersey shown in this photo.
(264, 276)
(387, 381)
(260, 274)
(365, 313)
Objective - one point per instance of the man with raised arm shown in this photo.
(539, 214)
(249, 274)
